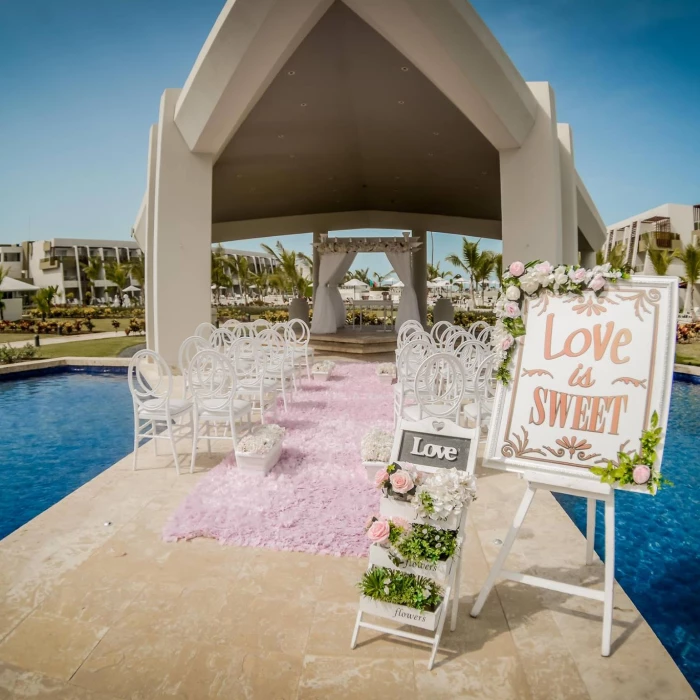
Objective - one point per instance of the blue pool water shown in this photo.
(658, 539)
(56, 433)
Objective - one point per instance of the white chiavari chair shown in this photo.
(298, 335)
(439, 388)
(220, 340)
(204, 330)
(188, 349)
(410, 358)
(479, 410)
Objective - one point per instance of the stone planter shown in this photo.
(390, 507)
(260, 464)
(443, 311)
(299, 309)
(437, 571)
(400, 613)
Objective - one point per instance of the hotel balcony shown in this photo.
(49, 264)
(666, 240)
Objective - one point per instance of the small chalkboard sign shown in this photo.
(435, 443)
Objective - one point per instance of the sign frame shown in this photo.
(647, 296)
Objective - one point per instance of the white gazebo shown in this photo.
(322, 115)
(12, 292)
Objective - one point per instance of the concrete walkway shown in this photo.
(53, 340)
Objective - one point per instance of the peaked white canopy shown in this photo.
(9, 284)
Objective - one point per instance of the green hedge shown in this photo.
(61, 311)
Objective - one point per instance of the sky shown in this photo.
(80, 83)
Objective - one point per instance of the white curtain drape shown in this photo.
(329, 310)
(408, 306)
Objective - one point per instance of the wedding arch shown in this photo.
(336, 256)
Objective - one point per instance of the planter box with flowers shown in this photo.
(260, 451)
(375, 450)
(322, 370)
(425, 619)
(386, 371)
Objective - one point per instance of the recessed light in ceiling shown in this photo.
(484, 172)
(436, 133)
(291, 72)
(239, 176)
(401, 102)
(291, 155)
(303, 104)
(431, 154)
(280, 136)
(331, 178)
(404, 69)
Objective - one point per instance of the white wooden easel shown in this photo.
(592, 491)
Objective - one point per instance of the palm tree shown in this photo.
(93, 271)
(241, 269)
(482, 271)
(691, 261)
(286, 275)
(498, 267)
(221, 266)
(136, 270)
(117, 274)
(472, 259)
(261, 281)
(44, 300)
(435, 271)
(3, 273)
(600, 257)
(660, 259)
(380, 278)
(362, 274)
(616, 257)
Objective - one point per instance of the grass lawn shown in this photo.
(105, 347)
(101, 325)
(688, 353)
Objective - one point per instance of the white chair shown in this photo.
(477, 327)
(298, 335)
(251, 384)
(439, 388)
(438, 331)
(204, 330)
(188, 349)
(456, 337)
(220, 340)
(231, 323)
(277, 364)
(243, 330)
(406, 331)
(410, 358)
(485, 336)
(151, 385)
(212, 381)
(260, 324)
(485, 383)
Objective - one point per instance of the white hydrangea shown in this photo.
(450, 490)
(262, 440)
(376, 446)
(323, 367)
(386, 368)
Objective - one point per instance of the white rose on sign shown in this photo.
(529, 284)
(513, 293)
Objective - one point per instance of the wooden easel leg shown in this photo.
(609, 586)
(438, 635)
(353, 643)
(455, 594)
(505, 549)
(590, 529)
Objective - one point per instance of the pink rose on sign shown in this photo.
(511, 309)
(401, 482)
(378, 533)
(641, 474)
(506, 342)
(544, 268)
(516, 268)
(380, 477)
(577, 276)
(598, 282)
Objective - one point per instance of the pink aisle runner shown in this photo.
(317, 498)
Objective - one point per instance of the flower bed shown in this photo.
(687, 332)
(261, 450)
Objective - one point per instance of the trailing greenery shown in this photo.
(8, 354)
(399, 588)
(622, 472)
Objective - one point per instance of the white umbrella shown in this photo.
(132, 288)
(9, 284)
(355, 283)
(398, 285)
(432, 285)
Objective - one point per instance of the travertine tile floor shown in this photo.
(91, 610)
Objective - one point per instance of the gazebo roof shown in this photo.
(9, 284)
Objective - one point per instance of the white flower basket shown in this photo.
(437, 571)
(386, 372)
(400, 613)
(259, 463)
(390, 508)
(386, 378)
(321, 376)
(371, 468)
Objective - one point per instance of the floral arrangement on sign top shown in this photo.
(521, 281)
(409, 543)
(399, 588)
(376, 446)
(262, 440)
(435, 496)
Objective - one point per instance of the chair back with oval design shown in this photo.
(439, 386)
(150, 381)
(204, 330)
(189, 348)
(220, 340)
(406, 333)
(438, 331)
(212, 381)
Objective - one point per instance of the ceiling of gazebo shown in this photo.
(349, 124)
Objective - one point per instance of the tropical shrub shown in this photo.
(8, 355)
(688, 332)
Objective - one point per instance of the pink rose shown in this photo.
(511, 309)
(598, 282)
(378, 533)
(401, 482)
(380, 478)
(506, 342)
(641, 474)
(577, 276)
(544, 268)
(401, 522)
(516, 268)
(368, 523)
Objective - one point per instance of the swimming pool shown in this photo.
(658, 539)
(58, 432)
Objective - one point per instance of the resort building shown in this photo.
(11, 259)
(669, 227)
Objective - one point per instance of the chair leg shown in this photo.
(308, 366)
(137, 430)
(154, 433)
(195, 436)
(173, 447)
(208, 438)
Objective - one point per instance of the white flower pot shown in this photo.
(321, 376)
(386, 378)
(400, 613)
(390, 507)
(261, 464)
(437, 571)
(371, 468)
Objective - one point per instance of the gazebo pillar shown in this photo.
(419, 263)
(316, 260)
(181, 289)
(531, 189)
(569, 210)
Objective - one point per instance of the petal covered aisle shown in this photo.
(317, 498)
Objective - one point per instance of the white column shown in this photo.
(419, 262)
(149, 215)
(316, 260)
(531, 204)
(569, 211)
(181, 235)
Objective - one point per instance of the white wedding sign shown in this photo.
(586, 378)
